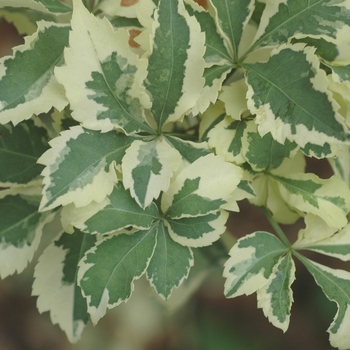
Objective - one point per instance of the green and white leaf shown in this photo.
(341, 164)
(335, 285)
(175, 65)
(47, 6)
(190, 151)
(198, 231)
(147, 169)
(337, 245)
(234, 98)
(117, 8)
(276, 297)
(56, 286)
(201, 188)
(108, 270)
(20, 148)
(284, 19)
(25, 91)
(118, 211)
(20, 231)
(101, 77)
(251, 263)
(212, 116)
(170, 263)
(231, 17)
(80, 166)
(226, 138)
(276, 94)
(263, 152)
(328, 199)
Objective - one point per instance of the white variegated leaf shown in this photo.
(148, 167)
(47, 6)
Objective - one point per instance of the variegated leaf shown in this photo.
(118, 211)
(53, 6)
(341, 164)
(337, 245)
(276, 297)
(329, 199)
(284, 19)
(175, 65)
(56, 285)
(264, 153)
(251, 263)
(24, 91)
(108, 270)
(336, 286)
(122, 8)
(80, 166)
(276, 94)
(197, 231)
(20, 148)
(170, 263)
(20, 231)
(190, 151)
(231, 17)
(102, 78)
(201, 188)
(226, 138)
(147, 169)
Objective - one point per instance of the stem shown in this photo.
(276, 227)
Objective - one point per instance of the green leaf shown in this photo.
(102, 77)
(264, 153)
(198, 231)
(231, 18)
(276, 94)
(329, 199)
(24, 91)
(282, 20)
(20, 231)
(118, 211)
(20, 148)
(108, 271)
(53, 6)
(251, 263)
(175, 65)
(336, 286)
(170, 263)
(147, 169)
(201, 188)
(275, 298)
(80, 166)
(56, 286)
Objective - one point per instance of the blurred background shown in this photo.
(199, 319)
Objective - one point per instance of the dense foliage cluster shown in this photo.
(143, 123)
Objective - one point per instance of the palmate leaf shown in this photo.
(275, 298)
(20, 231)
(101, 77)
(20, 148)
(197, 231)
(147, 169)
(201, 188)
(118, 211)
(175, 65)
(329, 199)
(252, 261)
(282, 20)
(23, 91)
(108, 270)
(80, 166)
(56, 285)
(231, 18)
(335, 285)
(53, 6)
(276, 94)
(170, 263)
